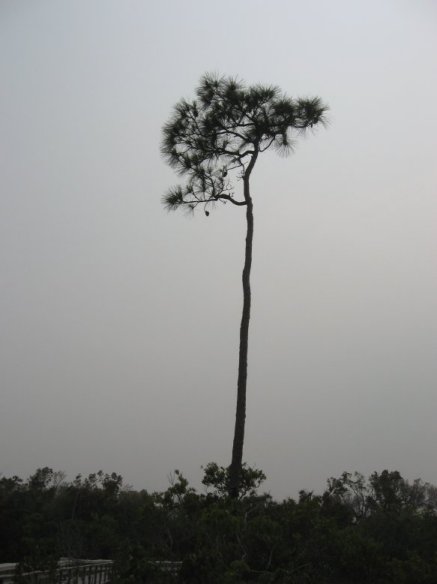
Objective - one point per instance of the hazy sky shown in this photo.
(119, 322)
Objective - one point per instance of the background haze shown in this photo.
(119, 322)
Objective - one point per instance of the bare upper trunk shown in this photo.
(240, 415)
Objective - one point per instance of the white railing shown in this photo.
(67, 572)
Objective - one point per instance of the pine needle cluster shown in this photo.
(222, 128)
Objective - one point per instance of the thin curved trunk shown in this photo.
(240, 415)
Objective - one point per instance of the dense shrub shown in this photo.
(381, 530)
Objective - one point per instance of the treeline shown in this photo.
(377, 530)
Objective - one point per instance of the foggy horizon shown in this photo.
(120, 321)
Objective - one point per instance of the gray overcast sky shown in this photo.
(119, 322)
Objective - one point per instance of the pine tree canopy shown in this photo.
(223, 129)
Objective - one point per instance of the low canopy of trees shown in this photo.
(378, 530)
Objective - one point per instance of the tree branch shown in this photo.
(229, 198)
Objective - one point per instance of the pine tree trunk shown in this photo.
(240, 415)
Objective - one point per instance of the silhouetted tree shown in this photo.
(218, 135)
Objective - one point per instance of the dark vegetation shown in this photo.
(377, 530)
(214, 140)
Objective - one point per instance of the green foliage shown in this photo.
(381, 530)
(222, 129)
(217, 478)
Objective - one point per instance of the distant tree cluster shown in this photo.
(377, 530)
